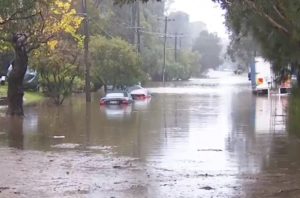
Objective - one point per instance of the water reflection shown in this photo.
(141, 104)
(219, 131)
(117, 111)
(15, 132)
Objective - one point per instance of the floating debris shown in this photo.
(207, 188)
(215, 150)
(100, 147)
(66, 146)
(59, 136)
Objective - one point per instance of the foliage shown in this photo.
(187, 65)
(114, 62)
(191, 63)
(111, 21)
(176, 71)
(26, 25)
(78, 84)
(273, 24)
(57, 66)
(33, 98)
(208, 45)
(241, 50)
(39, 21)
(152, 62)
(3, 91)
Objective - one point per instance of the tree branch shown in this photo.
(278, 12)
(268, 17)
(18, 11)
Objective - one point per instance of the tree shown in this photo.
(273, 24)
(25, 25)
(122, 21)
(57, 65)
(241, 50)
(208, 45)
(114, 62)
(191, 64)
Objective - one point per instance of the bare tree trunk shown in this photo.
(15, 90)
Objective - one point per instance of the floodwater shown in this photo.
(202, 138)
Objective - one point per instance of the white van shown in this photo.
(261, 76)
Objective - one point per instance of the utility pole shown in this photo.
(175, 53)
(138, 27)
(165, 42)
(176, 37)
(86, 52)
(135, 25)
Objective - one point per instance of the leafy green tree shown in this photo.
(152, 61)
(241, 50)
(187, 65)
(115, 62)
(273, 24)
(208, 45)
(57, 65)
(191, 64)
(121, 20)
(25, 25)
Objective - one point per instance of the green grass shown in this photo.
(33, 97)
(29, 97)
(3, 91)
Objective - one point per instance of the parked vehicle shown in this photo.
(31, 79)
(261, 76)
(285, 81)
(138, 92)
(116, 98)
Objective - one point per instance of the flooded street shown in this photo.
(202, 138)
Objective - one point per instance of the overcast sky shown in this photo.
(205, 11)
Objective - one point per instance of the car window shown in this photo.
(114, 95)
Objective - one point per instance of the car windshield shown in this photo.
(115, 95)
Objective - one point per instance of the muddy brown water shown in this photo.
(204, 138)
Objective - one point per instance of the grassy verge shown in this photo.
(3, 91)
(29, 97)
(33, 98)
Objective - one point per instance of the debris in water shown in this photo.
(3, 188)
(215, 150)
(59, 136)
(207, 188)
(65, 146)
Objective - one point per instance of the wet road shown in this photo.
(204, 138)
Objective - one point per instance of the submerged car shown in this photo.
(138, 92)
(116, 98)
